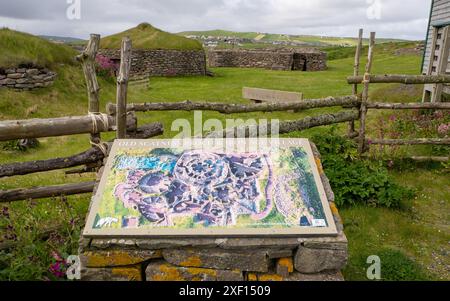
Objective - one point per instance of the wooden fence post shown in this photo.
(358, 59)
(122, 87)
(365, 95)
(351, 124)
(87, 59)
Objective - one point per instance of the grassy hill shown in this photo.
(65, 40)
(145, 36)
(22, 48)
(269, 37)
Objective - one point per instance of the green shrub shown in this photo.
(356, 181)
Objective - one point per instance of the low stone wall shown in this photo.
(308, 60)
(162, 62)
(26, 78)
(300, 258)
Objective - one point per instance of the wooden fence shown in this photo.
(366, 104)
(121, 117)
(94, 124)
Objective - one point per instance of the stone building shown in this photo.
(156, 52)
(274, 59)
(162, 62)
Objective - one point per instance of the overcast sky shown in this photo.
(389, 18)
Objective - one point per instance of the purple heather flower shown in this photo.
(443, 129)
(104, 63)
(57, 269)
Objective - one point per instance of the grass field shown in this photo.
(269, 37)
(413, 242)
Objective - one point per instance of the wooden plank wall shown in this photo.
(440, 14)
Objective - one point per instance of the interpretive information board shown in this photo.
(170, 188)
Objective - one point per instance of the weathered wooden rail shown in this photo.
(409, 106)
(46, 192)
(418, 141)
(343, 101)
(92, 155)
(401, 79)
(52, 127)
(289, 126)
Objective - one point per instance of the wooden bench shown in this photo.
(264, 95)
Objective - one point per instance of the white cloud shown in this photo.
(398, 18)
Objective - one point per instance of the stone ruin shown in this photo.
(274, 59)
(160, 62)
(26, 77)
(301, 258)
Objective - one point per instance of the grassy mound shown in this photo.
(21, 48)
(145, 36)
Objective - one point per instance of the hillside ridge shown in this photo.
(146, 36)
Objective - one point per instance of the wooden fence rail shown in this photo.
(289, 126)
(409, 106)
(46, 192)
(401, 79)
(92, 155)
(417, 141)
(344, 101)
(52, 127)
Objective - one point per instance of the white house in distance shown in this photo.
(436, 57)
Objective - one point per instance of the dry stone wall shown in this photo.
(300, 258)
(26, 78)
(162, 62)
(307, 60)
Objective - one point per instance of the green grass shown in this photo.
(145, 36)
(412, 242)
(22, 48)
